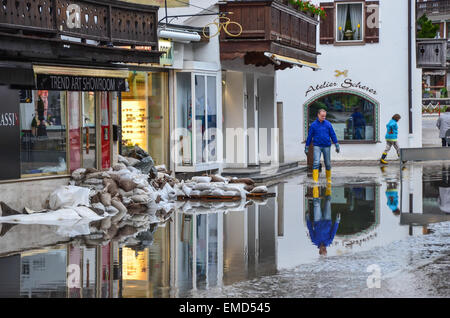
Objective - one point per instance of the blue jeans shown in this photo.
(320, 214)
(326, 157)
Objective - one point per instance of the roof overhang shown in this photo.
(278, 59)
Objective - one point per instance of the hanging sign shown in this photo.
(81, 83)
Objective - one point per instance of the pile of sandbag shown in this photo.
(217, 186)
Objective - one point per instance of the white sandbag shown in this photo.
(79, 174)
(170, 191)
(111, 210)
(123, 160)
(119, 166)
(260, 189)
(139, 198)
(161, 168)
(68, 196)
(138, 191)
(217, 192)
(133, 170)
(93, 181)
(88, 214)
(59, 216)
(186, 189)
(203, 186)
(205, 192)
(231, 193)
(179, 192)
(201, 179)
(132, 161)
(195, 192)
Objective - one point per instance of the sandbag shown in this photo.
(187, 190)
(118, 205)
(203, 186)
(105, 198)
(260, 189)
(111, 210)
(93, 181)
(140, 198)
(201, 179)
(68, 196)
(99, 208)
(111, 186)
(218, 178)
(248, 181)
(79, 174)
(127, 185)
(119, 166)
(132, 161)
(217, 192)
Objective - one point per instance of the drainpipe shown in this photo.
(410, 117)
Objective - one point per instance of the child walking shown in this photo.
(391, 137)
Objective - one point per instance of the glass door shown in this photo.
(88, 132)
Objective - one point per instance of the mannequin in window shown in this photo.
(321, 229)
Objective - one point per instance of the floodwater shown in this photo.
(269, 248)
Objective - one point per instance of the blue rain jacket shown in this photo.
(322, 231)
(320, 133)
(392, 199)
(392, 130)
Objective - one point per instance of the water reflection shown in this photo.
(209, 245)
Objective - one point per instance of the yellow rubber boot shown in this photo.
(383, 158)
(328, 174)
(315, 192)
(315, 175)
(328, 190)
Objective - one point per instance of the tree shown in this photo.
(425, 28)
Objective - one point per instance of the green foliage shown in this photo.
(444, 92)
(426, 29)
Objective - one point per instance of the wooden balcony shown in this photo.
(268, 26)
(43, 28)
(433, 7)
(431, 53)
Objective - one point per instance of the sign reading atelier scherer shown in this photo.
(81, 83)
(10, 134)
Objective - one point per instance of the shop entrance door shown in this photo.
(88, 131)
(105, 130)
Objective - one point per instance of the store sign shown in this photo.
(346, 83)
(166, 47)
(81, 83)
(10, 134)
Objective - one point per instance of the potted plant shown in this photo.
(444, 92)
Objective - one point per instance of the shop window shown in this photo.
(43, 133)
(200, 134)
(353, 117)
(349, 22)
(144, 113)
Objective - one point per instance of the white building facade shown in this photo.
(363, 71)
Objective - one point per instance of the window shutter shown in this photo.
(372, 31)
(327, 24)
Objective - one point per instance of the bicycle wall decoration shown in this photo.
(222, 22)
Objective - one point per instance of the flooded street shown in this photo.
(307, 241)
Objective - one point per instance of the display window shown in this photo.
(145, 113)
(197, 141)
(59, 132)
(354, 118)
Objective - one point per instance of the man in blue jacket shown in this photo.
(320, 132)
(391, 137)
(321, 230)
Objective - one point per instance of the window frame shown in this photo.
(363, 26)
(196, 165)
(376, 114)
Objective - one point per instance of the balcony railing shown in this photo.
(433, 7)
(112, 22)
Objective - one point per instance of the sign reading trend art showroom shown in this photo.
(81, 83)
(346, 83)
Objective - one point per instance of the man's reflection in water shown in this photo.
(444, 190)
(392, 197)
(321, 230)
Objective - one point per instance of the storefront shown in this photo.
(66, 122)
(145, 118)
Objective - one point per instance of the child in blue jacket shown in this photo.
(391, 137)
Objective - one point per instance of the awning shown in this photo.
(277, 59)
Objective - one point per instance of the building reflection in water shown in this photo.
(204, 247)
